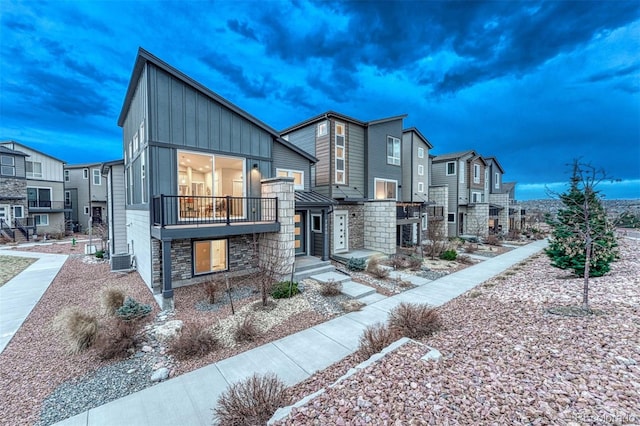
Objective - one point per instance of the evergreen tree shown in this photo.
(583, 239)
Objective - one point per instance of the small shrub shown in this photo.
(403, 283)
(284, 289)
(112, 298)
(514, 234)
(414, 321)
(352, 305)
(373, 263)
(397, 261)
(194, 340)
(375, 338)
(470, 248)
(379, 272)
(414, 262)
(99, 254)
(357, 264)
(212, 290)
(251, 401)
(132, 309)
(474, 293)
(463, 258)
(79, 329)
(331, 288)
(247, 330)
(118, 340)
(492, 240)
(449, 255)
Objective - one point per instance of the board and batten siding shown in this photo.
(52, 169)
(324, 156)
(116, 211)
(377, 154)
(182, 116)
(355, 164)
(285, 158)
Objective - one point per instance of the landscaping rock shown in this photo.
(160, 375)
(168, 330)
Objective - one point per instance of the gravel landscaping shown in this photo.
(505, 359)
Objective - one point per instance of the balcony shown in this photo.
(435, 213)
(178, 215)
(408, 213)
(39, 206)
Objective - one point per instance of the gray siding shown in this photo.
(410, 162)
(439, 177)
(181, 116)
(116, 211)
(355, 163)
(377, 154)
(304, 138)
(284, 158)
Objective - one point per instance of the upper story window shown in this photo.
(393, 150)
(386, 189)
(33, 169)
(476, 173)
(340, 154)
(136, 143)
(141, 133)
(420, 170)
(421, 187)
(297, 175)
(321, 130)
(97, 179)
(451, 168)
(8, 165)
(497, 181)
(420, 152)
(66, 175)
(85, 173)
(486, 179)
(39, 197)
(67, 198)
(476, 197)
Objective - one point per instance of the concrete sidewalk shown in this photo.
(189, 399)
(21, 293)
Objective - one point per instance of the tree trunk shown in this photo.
(585, 289)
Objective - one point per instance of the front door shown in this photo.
(5, 213)
(460, 223)
(96, 213)
(299, 233)
(340, 231)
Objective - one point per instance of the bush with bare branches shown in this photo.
(331, 288)
(247, 329)
(251, 401)
(78, 329)
(414, 320)
(117, 339)
(414, 262)
(492, 240)
(212, 289)
(375, 338)
(397, 261)
(195, 339)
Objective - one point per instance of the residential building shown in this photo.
(360, 166)
(208, 188)
(505, 213)
(33, 197)
(85, 192)
(113, 173)
(468, 193)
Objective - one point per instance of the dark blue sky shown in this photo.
(535, 84)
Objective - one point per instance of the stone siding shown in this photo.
(439, 195)
(380, 226)
(477, 220)
(281, 244)
(355, 224)
(501, 200)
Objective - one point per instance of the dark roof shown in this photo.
(420, 135)
(5, 150)
(508, 186)
(311, 198)
(107, 164)
(494, 160)
(146, 57)
(326, 115)
(82, 165)
(32, 149)
(453, 155)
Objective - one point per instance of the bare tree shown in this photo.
(438, 239)
(273, 262)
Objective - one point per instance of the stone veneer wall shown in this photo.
(283, 242)
(355, 224)
(477, 220)
(380, 226)
(502, 200)
(440, 196)
(15, 188)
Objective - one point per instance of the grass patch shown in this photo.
(12, 266)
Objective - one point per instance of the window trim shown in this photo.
(15, 215)
(194, 252)
(496, 184)
(31, 174)
(66, 175)
(476, 173)
(449, 216)
(476, 196)
(446, 168)
(290, 173)
(322, 129)
(392, 159)
(315, 216)
(94, 175)
(486, 179)
(375, 188)
(85, 173)
(67, 198)
(5, 166)
(143, 178)
(420, 170)
(420, 152)
(41, 216)
(343, 157)
(86, 210)
(38, 188)
(421, 187)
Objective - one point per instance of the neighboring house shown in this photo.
(85, 192)
(468, 194)
(13, 195)
(113, 173)
(202, 191)
(44, 210)
(360, 166)
(517, 214)
(505, 213)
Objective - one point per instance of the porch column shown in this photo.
(167, 289)
(325, 235)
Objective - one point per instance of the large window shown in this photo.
(34, 169)
(451, 168)
(386, 189)
(476, 173)
(297, 175)
(393, 150)
(39, 197)
(209, 256)
(41, 219)
(8, 167)
(340, 154)
(97, 178)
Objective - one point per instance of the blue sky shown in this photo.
(534, 84)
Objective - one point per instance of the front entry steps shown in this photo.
(306, 266)
(361, 292)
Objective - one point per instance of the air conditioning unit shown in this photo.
(120, 261)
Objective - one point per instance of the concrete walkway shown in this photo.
(21, 293)
(189, 399)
